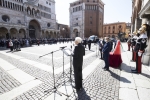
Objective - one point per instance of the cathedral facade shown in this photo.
(28, 19)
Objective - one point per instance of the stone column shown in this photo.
(146, 55)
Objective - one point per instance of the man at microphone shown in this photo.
(79, 52)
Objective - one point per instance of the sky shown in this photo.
(114, 11)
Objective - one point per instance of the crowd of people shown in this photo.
(16, 44)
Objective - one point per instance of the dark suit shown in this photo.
(100, 48)
(79, 52)
(106, 50)
(89, 44)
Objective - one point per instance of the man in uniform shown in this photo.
(139, 48)
(133, 42)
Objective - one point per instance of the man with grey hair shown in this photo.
(79, 52)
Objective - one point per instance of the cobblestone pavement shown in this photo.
(99, 85)
(7, 82)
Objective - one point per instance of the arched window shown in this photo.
(8, 5)
(11, 5)
(113, 27)
(120, 26)
(0, 3)
(5, 3)
(15, 7)
(22, 8)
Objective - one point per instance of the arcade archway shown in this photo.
(34, 29)
(13, 33)
(3, 33)
(22, 34)
(76, 33)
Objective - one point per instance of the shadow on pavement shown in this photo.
(126, 67)
(119, 78)
(82, 95)
(92, 50)
(148, 76)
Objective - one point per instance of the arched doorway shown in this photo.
(47, 34)
(22, 34)
(76, 33)
(3, 33)
(13, 33)
(34, 29)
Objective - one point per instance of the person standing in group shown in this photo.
(100, 48)
(133, 43)
(129, 42)
(84, 43)
(11, 45)
(140, 47)
(79, 52)
(105, 51)
(89, 44)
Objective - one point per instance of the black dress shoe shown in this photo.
(133, 70)
(104, 68)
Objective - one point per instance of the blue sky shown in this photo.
(114, 11)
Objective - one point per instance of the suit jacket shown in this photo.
(79, 52)
(106, 48)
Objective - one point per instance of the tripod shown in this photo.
(54, 89)
(64, 75)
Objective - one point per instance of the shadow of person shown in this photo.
(146, 75)
(92, 50)
(119, 78)
(126, 68)
(8, 51)
(82, 95)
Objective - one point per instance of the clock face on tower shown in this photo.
(32, 1)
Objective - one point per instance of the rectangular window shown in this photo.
(90, 22)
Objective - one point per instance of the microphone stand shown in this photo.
(54, 89)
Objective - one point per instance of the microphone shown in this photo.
(63, 47)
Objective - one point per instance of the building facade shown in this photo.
(86, 18)
(28, 19)
(64, 31)
(112, 29)
(141, 15)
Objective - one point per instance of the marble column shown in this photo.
(146, 55)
